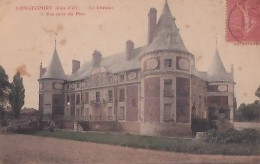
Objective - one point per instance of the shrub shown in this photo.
(249, 136)
(201, 125)
(84, 125)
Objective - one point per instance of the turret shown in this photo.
(51, 81)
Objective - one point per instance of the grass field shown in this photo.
(154, 143)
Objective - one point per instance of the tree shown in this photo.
(16, 97)
(257, 92)
(249, 112)
(4, 84)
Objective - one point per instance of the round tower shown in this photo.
(165, 81)
(220, 91)
(51, 98)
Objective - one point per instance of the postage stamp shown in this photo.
(243, 21)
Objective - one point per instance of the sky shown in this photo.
(28, 36)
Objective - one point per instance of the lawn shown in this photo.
(154, 143)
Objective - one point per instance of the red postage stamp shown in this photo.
(243, 21)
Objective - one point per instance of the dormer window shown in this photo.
(122, 78)
(110, 79)
(78, 85)
(168, 63)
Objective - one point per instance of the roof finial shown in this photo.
(166, 2)
(232, 68)
(55, 39)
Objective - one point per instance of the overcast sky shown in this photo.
(27, 37)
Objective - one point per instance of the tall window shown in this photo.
(168, 63)
(86, 98)
(167, 112)
(78, 99)
(110, 96)
(168, 92)
(110, 113)
(87, 114)
(121, 95)
(98, 96)
(121, 113)
(68, 99)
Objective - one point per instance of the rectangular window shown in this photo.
(110, 96)
(78, 99)
(168, 91)
(121, 113)
(86, 98)
(87, 113)
(110, 113)
(121, 95)
(167, 112)
(168, 63)
(97, 96)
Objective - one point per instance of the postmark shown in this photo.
(243, 21)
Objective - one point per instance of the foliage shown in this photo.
(257, 92)
(84, 125)
(155, 143)
(16, 97)
(201, 125)
(249, 112)
(248, 136)
(4, 84)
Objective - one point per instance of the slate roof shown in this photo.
(54, 70)
(167, 36)
(114, 64)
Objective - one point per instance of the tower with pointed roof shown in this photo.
(166, 76)
(52, 78)
(220, 90)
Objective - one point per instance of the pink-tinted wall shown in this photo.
(132, 103)
(152, 100)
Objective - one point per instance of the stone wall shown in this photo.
(244, 125)
(132, 127)
(102, 126)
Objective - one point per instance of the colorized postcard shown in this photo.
(129, 81)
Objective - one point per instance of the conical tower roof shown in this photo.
(55, 70)
(217, 71)
(167, 36)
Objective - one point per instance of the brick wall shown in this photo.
(152, 100)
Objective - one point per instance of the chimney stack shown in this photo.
(75, 66)
(152, 18)
(129, 49)
(96, 58)
(42, 70)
